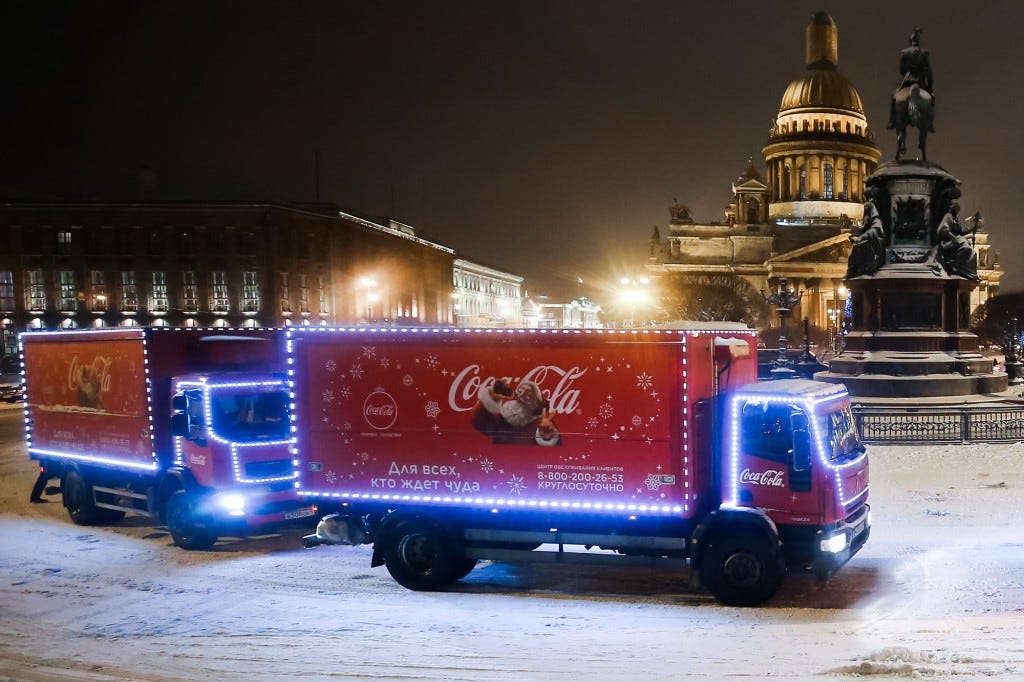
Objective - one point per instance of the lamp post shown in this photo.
(633, 294)
(371, 297)
(783, 298)
(1012, 363)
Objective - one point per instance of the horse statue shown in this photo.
(912, 108)
(913, 103)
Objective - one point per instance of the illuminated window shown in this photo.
(803, 182)
(250, 291)
(304, 294)
(189, 292)
(7, 291)
(158, 301)
(219, 301)
(36, 290)
(129, 292)
(97, 291)
(286, 301)
(829, 180)
(64, 242)
(66, 285)
(321, 285)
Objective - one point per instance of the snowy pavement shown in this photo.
(937, 593)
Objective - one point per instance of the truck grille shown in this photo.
(274, 468)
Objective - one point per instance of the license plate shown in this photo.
(299, 513)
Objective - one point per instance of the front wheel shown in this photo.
(78, 500)
(189, 529)
(421, 556)
(744, 570)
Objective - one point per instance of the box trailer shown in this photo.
(445, 446)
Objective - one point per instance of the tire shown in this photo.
(421, 556)
(189, 530)
(77, 494)
(742, 570)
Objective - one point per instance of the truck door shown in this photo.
(774, 466)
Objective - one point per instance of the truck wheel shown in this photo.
(464, 569)
(188, 530)
(742, 570)
(421, 556)
(78, 500)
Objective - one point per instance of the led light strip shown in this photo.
(207, 389)
(501, 502)
(809, 403)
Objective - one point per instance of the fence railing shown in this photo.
(913, 425)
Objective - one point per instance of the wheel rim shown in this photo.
(418, 552)
(742, 569)
(75, 495)
(179, 520)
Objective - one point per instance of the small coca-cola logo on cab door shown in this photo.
(380, 410)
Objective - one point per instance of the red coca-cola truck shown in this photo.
(190, 426)
(443, 447)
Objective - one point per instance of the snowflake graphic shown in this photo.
(592, 423)
(330, 477)
(431, 361)
(653, 481)
(356, 371)
(328, 396)
(369, 352)
(407, 380)
(345, 392)
(637, 421)
(644, 381)
(347, 426)
(365, 456)
(516, 485)
(606, 411)
(432, 409)
(486, 465)
(385, 362)
(330, 365)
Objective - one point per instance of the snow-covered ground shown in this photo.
(937, 593)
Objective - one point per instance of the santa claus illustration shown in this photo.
(519, 416)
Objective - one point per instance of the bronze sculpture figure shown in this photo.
(913, 102)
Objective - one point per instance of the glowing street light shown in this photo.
(633, 294)
(371, 296)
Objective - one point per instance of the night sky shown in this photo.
(546, 138)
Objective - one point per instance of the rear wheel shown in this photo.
(421, 556)
(742, 570)
(189, 529)
(78, 500)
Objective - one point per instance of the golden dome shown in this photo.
(823, 88)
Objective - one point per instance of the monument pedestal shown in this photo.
(909, 318)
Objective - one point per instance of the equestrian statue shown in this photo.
(913, 102)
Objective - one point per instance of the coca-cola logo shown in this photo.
(380, 410)
(772, 477)
(562, 396)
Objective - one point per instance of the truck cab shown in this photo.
(233, 440)
(790, 455)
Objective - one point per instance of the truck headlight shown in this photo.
(834, 544)
(232, 503)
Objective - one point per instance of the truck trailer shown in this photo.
(442, 447)
(190, 426)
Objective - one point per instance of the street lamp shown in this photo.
(371, 297)
(783, 298)
(633, 294)
(835, 317)
(1012, 363)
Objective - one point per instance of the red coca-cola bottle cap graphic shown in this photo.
(380, 410)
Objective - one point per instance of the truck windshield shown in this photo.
(842, 434)
(250, 416)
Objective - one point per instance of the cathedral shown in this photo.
(793, 220)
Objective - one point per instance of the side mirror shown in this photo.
(801, 450)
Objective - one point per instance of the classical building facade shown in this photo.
(580, 313)
(70, 265)
(795, 219)
(485, 296)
